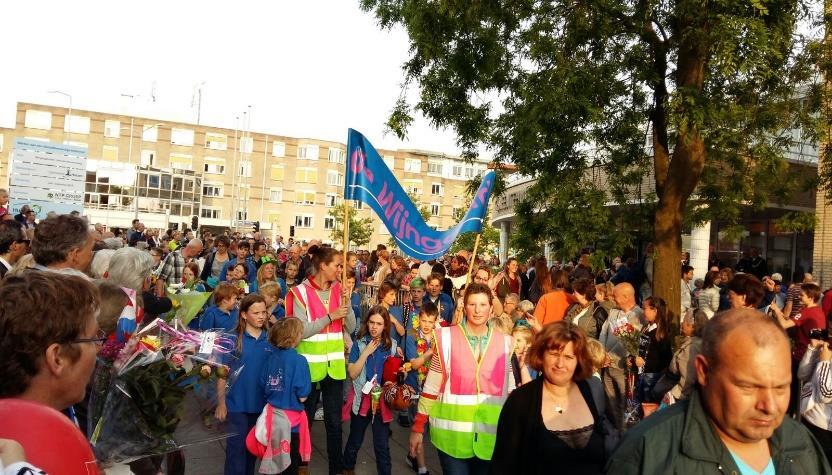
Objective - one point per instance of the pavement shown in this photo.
(209, 458)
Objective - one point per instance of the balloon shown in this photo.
(51, 440)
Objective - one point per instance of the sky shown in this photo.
(307, 68)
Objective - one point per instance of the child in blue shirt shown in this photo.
(355, 301)
(286, 382)
(387, 295)
(274, 304)
(366, 363)
(223, 314)
(418, 346)
(244, 401)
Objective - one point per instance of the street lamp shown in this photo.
(69, 115)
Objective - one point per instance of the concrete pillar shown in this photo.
(700, 240)
(504, 230)
(822, 251)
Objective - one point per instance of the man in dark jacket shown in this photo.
(734, 422)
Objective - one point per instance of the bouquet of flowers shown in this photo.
(187, 302)
(628, 335)
(139, 389)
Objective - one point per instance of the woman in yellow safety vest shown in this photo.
(469, 379)
(319, 303)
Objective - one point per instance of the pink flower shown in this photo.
(285, 447)
(177, 360)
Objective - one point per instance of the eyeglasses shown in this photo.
(99, 339)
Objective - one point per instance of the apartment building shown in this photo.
(167, 172)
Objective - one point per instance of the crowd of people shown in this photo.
(510, 367)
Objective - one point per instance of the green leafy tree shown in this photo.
(596, 98)
(361, 229)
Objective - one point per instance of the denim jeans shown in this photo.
(238, 460)
(381, 442)
(333, 398)
(455, 466)
(644, 388)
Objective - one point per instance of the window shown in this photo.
(304, 221)
(148, 157)
(246, 145)
(469, 172)
(210, 213)
(331, 200)
(435, 168)
(329, 222)
(76, 124)
(412, 165)
(153, 181)
(336, 155)
(413, 187)
(215, 166)
(110, 152)
(277, 172)
(308, 152)
(112, 128)
(183, 137)
(334, 178)
(434, 209)
(358, 205)
(213, 190)
(436, 189)
(276, 195)
(389, 161)
(245, 169)
(456, 212)
(150, 133)
(215, 141)
(305, 197)
(38, 120)
(306, 175)
(278, 149)
(242, 215)
(181, 161)
(457, 170)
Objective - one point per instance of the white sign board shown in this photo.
(47, 176)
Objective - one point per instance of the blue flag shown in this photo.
(370, 181)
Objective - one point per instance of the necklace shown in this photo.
(561, 404)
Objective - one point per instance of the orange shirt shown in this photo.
(552, 306)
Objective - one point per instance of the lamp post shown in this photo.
(67, 125)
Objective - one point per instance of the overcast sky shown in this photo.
(309, 68)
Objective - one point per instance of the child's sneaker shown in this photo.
(319, 414)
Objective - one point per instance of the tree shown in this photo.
(361, 229)
(694, 94)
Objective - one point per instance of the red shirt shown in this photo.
(807, 320)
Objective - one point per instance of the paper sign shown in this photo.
(206, 345)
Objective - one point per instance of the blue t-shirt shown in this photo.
(214, 317)
(285, 379)
(374, 366)
(279, 312)
(355, 302)
(396, 312)
(747, 470)
(245, 394)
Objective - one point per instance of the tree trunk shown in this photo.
(667, 265)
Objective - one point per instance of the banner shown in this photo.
(47, 176)
(370, 181)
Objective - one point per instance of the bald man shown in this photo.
(734, 421)
(614, 375)
(174, 265)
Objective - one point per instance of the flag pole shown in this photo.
(473, 260)
(346, 239)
